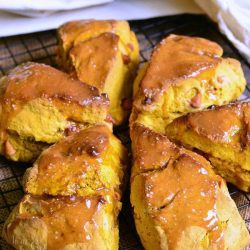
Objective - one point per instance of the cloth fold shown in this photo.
(11, 24)
(233, 18)
(37, 8)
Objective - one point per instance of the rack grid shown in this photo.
(41, 47)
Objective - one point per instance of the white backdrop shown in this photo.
(233, 16)
(11, 24)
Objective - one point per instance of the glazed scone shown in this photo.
(104, 54)
(74, 32)
(73, 195)
(222, 135)
(184, 74)
(38, 104)
(40, 223)
(178, 201)
(88, 162)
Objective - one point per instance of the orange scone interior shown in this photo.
(184, 74)
(178, 201)
(222, 135)
(86, 163)
(73, 195)
(62, 222)
(105, 54)
(38, 104)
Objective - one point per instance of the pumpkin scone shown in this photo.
(178, 201)
(85, 163)
(222, 135)
(184, 74)
(104, 54)
(73, 195)
(40, 223)
(38, 104)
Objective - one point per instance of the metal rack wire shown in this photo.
(41, 47)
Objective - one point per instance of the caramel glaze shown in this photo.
(71, 30)
(225, 124)
(94, 65)
(69, 219)
(144, 141)
(32, 80)
(68, 160)
(174, 59)
(172, 187)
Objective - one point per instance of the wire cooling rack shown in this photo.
(41, 47)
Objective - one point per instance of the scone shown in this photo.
(40, 223)
(40, 103)
(73, 195)
(222, 135)
(104, 54)
(178, 201)
(86, 163)
(184, 74)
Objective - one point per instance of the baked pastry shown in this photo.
(184, 74)
(62, 223)
(104, 54)
(40, 103)
(79, 208)
(86, 163)
(222, 135)
(178, 201)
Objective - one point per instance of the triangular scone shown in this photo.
(178, 201)
(68, 222)
(222, 134)
(74, 191)
(184, 74)
(85, 163)
(72, 33)
(38, 104)
(104, 54)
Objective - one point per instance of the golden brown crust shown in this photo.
(222, 135)
(79, 164)
(104, 54)
(150, 150)
(184, 74)
(147, 143)
(32, 80)
(38, 103)
(64, 222)
(74, 191)
(171, 204)
(178, 201)
(174, 59)
(73, 32)
(96, 57)
(180, 194)
(225, 124)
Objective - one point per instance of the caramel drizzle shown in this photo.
(70, 159)
(68, 219)
(69, 222)
(188, 199)
(174, 59)
(31, 80)
(174, 177)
